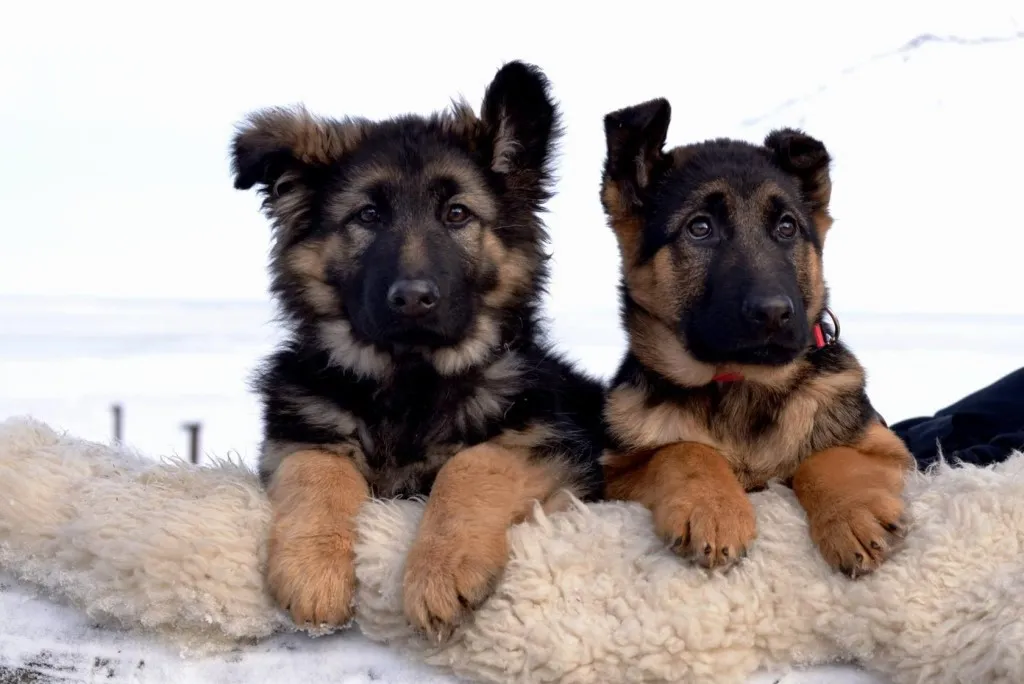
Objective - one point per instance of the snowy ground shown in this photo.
(44, 643)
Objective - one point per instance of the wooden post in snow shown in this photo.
(193, 441)
(118, 423)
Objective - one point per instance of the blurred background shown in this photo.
(132, 273)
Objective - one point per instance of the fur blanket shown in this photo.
(590, 594)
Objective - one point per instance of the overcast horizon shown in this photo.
(116, 121)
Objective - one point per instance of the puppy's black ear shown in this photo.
(635, 137)
(520, 118)
(806, 158)
(272, 142)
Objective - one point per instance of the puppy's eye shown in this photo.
(699, 228)
(457, 214)
(786, 227)
(368, 215)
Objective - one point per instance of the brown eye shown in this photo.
(699, 228)
(456, 214)
(786, 228)
(369, 215)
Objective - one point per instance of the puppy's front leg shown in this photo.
(314, 496)
(698, 504)
(852, 496)
(461, 548)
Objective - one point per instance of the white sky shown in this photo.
(115, 120)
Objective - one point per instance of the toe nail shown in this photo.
(859, 556)
(725, 552)
(707, 549)
(876, 546)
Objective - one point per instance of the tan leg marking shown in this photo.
(462, 548)
(699, 507)
(852, 496)
(315, 496)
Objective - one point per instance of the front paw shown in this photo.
(857, 535)
(713, 528)
(311, 574)
(448, 576)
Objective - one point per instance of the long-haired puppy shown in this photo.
(408, 261)
(733, 376)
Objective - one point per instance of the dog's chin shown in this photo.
(770, 354)
(419, 338)
(425, 334)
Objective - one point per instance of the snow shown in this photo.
(41, 639)
(923, 264)
(53, 640)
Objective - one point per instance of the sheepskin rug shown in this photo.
(590, 594)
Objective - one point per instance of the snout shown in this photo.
(768, 314)
(413, 298)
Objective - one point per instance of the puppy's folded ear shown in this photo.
(520, 119)
(274, 141)
(635, 137)
(806, 158)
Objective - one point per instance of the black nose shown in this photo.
(413, 297)
(770, 313)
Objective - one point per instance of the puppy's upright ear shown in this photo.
(521, 121)
(805, 158)
(635, 137)
(272, 142)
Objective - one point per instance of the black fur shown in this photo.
(359, 374)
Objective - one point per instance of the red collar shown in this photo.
(820, 341)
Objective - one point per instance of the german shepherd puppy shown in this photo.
(730, 379)
(408, 260)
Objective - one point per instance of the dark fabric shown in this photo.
(983, 428)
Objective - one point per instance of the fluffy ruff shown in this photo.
(590, 594)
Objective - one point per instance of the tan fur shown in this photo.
(312, 140)
(775, 455)
(658, 347)
(501, 381)
(471, 351)
(413, 253)
(320, 412)
(699, 507)
(461, 548)
(516, 271)
(822, 197)
(475, 194)
(627, 227)
(505, 147)
(354, 195)
(315, 496)
(461, 119)
(810, 271)
(364, 359)
(852, 496)
(290, 207)
(631, 420)
(308, 262)
(778, 453)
